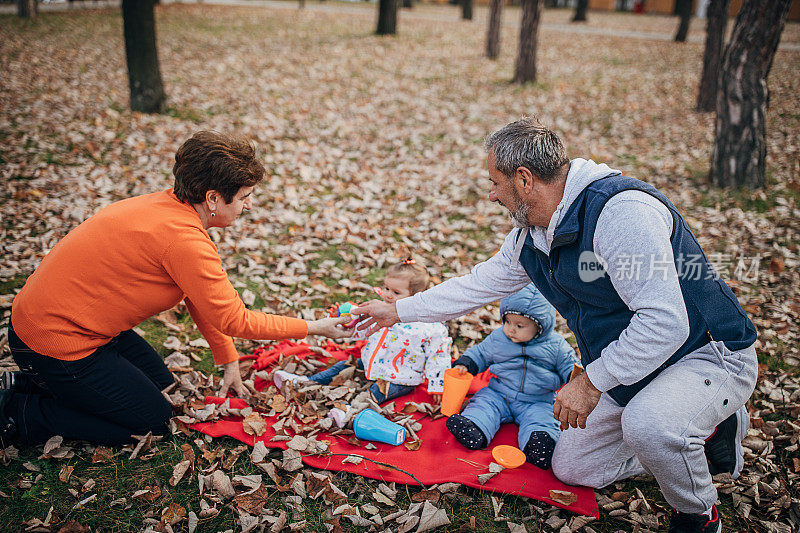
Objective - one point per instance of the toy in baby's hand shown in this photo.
(344, 309)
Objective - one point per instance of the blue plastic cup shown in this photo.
(369, 425)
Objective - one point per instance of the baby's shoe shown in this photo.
(339, 416)
(281, 376)
(539, 449)
(466, 432)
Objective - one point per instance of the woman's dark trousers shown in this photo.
(104, 398)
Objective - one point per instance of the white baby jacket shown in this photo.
(407, 353)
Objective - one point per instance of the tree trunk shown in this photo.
(525, 68)
(740, 147)
(387, 17)
(466, 9)
(580, 11)
(683, 8)
(144, 75)
(493, 33)
(301, 4)
(27, 9)
(717, 14)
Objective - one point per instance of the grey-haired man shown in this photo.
(668, 350)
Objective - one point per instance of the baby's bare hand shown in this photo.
(461, 369)
(436, 398)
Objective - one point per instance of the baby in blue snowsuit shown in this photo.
(531, 362)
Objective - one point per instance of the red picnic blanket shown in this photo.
(440, 459)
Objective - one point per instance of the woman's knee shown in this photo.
(155, 418)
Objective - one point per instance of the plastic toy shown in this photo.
(508, 456)
(341, 309)
(455, 390)
(344, 309)
(369, 425)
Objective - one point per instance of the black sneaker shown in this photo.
(8, 380)
(724, 447)
(8, 428)
(696, 523)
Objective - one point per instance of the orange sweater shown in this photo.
(131, 260)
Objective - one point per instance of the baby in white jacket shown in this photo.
(402, 355)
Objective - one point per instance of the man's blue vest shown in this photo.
(593, 309)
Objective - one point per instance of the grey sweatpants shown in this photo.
(663, 428)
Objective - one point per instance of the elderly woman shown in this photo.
(85, 374)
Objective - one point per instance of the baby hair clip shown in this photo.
(409, 261)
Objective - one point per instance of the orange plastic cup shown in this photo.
(456, 387)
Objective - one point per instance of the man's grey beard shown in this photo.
(520, 216)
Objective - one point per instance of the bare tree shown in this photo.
(580, 11)
(466, 9)
(525, 68)
(144, 74)
(387, 17)
(717, 20)
(683, 8)
(740, 147)
(493, 32)
(27, 9)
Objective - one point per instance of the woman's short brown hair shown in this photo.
(213, 161)
(414, 271)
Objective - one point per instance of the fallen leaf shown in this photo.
(254, 424)
(222, 485)
(253, 502)
(53, 443)
(413, 445)
(292, 460)
(426, 495)
(173, 514)
(563, 497)
(178, 472)
(149, 494)
(432, 517)
(65, 473)
(102, 454)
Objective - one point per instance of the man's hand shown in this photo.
(330, 327)
(232, 380)
(375, 315)
(575, 401)
(461, 369)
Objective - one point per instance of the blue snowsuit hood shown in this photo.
(530, 303)
(530, 371)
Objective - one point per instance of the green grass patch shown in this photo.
(10, 284)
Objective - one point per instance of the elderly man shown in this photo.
(668, 350)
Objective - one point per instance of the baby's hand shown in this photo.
(461, 369)
(437, 398)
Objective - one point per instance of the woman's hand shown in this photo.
(232, 380)
(461, 369)
(437, 398)
(331, 327)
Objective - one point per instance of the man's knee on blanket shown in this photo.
(570, 467)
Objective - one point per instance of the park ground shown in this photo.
(373, 147)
